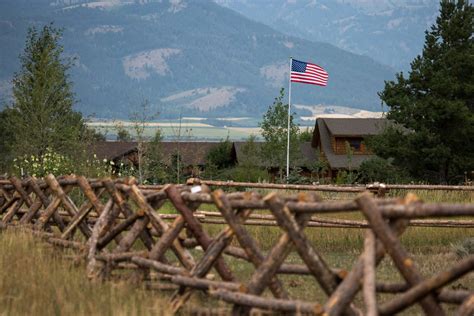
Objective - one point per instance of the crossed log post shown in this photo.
(123, 227)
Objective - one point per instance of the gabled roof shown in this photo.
(192, 153)
(356, 127)
(112, 150)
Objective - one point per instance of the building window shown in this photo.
(355, 144)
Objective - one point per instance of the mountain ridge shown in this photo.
(185, 58)
(390, 31)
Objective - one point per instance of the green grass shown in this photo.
(37, 280)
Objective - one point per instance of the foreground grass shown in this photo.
(37, 280)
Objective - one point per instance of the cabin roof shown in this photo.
(192, 153)
(354, 126)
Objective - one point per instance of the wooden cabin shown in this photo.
(341, 141)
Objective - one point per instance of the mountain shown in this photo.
(390, 31)
(194, 58)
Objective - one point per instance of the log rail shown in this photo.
(121, 225)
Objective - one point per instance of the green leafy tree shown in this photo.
(435, 103)
(381, 170)
(274, 130)
(319, 167)
(306, 135)
(154, 160)
(249, 167)
(6, 136)
(220, 156)
(122, 133)
(140, 121)
(41, 118)
(251, 157)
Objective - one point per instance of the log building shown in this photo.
(341, 142)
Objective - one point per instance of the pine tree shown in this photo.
(41, 117)
(435, 103)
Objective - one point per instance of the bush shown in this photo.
(381, 170)
(220, 155)
(57, 164)
(466, 248)
(241, 174)
(295, 177)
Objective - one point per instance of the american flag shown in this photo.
(308, 73)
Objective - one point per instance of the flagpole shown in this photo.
(289, 114)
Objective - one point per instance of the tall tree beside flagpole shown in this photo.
(289, 115)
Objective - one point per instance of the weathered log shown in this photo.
(66, 202)
(132, 235)
(453, 296)
(66, 243)
(350, 285)
(9, 202)
(467, 308)
(170, 235)
(84, 211)
(334, 188)
(160, 225)
(204, 284)
(269, 220)
(32, 212)
(370, 298)
(123, 207)
(394, 248)
(121, 256)
(314, 188)
(32, 182)
(246, 241)
(422, 210)
(33, 206)
(167, 239)
(196, 228)
(316, 264)
(158, 266)
(419, 291)
(92, 242)
(12, 211)
(274, 304)
(115, 231)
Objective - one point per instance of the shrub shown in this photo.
(381, 170)
(466, 248)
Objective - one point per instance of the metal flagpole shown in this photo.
(289, 114)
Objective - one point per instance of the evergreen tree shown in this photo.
(275, 132)
(219, 156)
(435, 103)
(41, 117)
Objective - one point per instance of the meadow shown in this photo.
(38, 279)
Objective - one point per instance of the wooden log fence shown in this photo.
(379, 188)
(160, 231)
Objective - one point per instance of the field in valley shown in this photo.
(190, 129)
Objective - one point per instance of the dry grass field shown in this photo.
(38, 279)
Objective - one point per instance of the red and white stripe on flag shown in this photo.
(308, 73)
